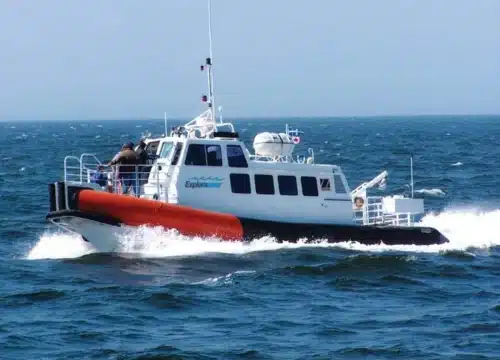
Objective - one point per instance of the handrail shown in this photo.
(374, 213)
(112, 178)
(83, 165)
(66, 166)
(287, 159)
(311, 153)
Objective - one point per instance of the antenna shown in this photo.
(209, 63)
(220, 113)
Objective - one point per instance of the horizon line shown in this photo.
(260, 117)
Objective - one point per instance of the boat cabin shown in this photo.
(215, 171)
(219, 174)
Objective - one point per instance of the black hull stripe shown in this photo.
(369, 235)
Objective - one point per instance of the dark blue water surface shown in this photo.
(171, 297)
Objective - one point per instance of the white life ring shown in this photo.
(295, 140)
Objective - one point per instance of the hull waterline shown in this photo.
(101, 218)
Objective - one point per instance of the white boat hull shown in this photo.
(102, 236)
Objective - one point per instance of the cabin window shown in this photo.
(214, 155)
(264, 184)
(339, 184)
(177, 153)
(152, 147)
(204, 155)
(196, 155)
(236, 157)
(309, 186)
(325, 184)
(240, 183)
(287, 185)
(165, 149)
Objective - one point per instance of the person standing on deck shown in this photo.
(127, 161)
(113, 183)
(143, 160)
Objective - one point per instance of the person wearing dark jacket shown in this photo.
(127, 161)
(142, 153)
(143, 158)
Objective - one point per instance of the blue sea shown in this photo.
(167, 296)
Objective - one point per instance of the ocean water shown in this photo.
(167, 296)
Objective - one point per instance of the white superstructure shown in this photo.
(213, 170)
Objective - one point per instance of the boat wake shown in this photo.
(466, 229)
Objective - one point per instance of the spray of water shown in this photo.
(466, 229)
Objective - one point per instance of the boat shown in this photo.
(202, 180)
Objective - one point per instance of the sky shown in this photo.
(100, 59)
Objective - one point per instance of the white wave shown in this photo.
(224, 279)
(156, 242)
(457, 164)
(466, 229)
(431, 192)
(23, 136)
(59, 245)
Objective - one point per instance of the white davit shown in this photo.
(273, 144)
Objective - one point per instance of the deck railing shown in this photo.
(374, 213)
(122, 179)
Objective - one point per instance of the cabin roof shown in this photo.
(194, 140)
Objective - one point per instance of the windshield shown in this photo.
(166, 148)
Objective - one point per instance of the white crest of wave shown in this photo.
(466, 229)
(459, 163)
(156, 242)
(431, 192)
(59, 245)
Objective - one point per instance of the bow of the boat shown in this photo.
(102, 232)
